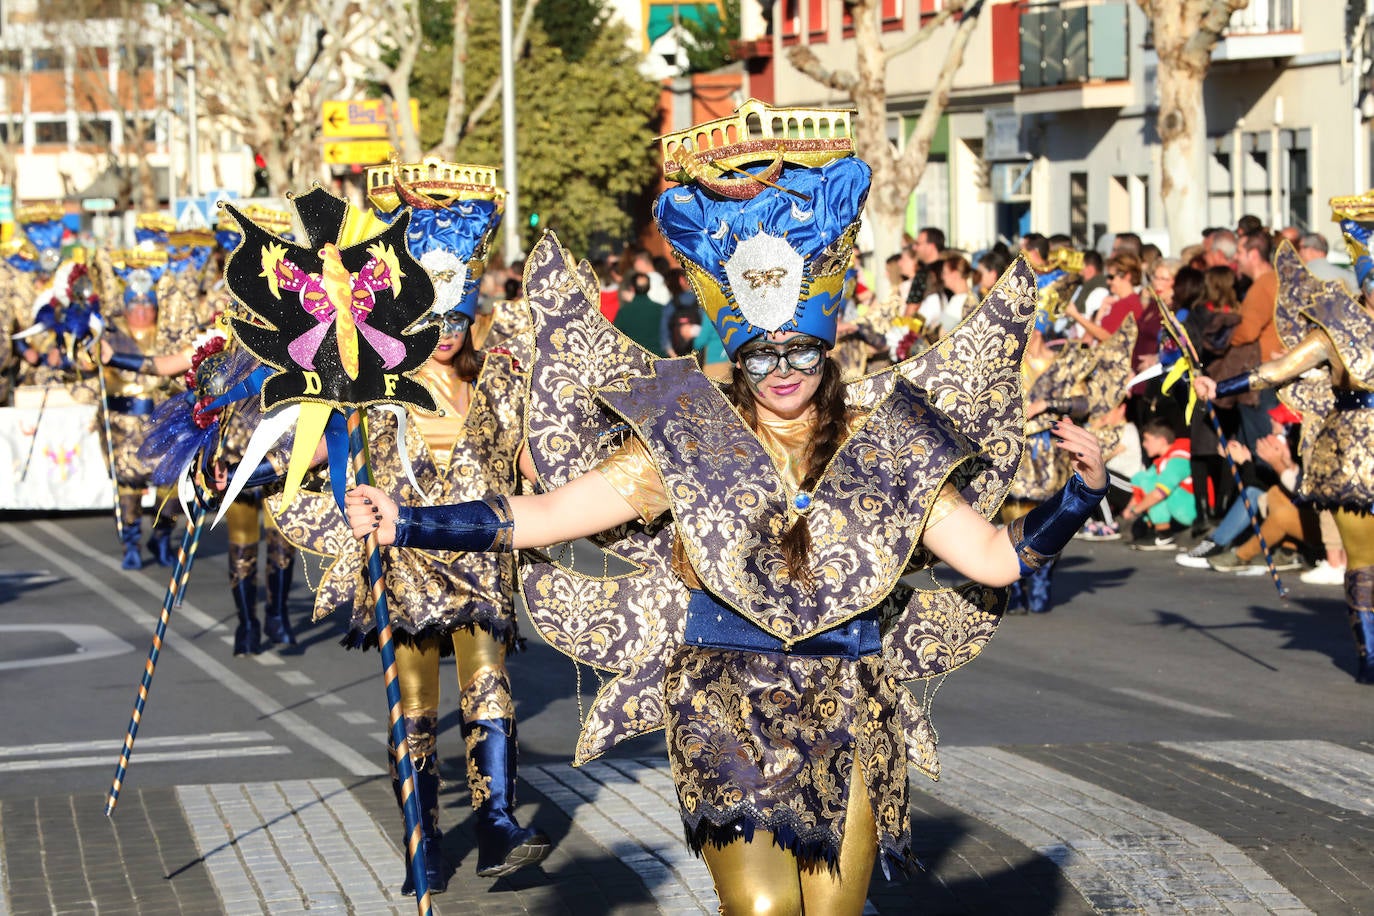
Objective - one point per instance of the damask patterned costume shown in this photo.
(1327, 331)
(445, 603)
(782, 697)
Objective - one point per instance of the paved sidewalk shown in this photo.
(1199, 827)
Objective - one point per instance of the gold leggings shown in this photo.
(417, 668)
(1357, 535)
(758, 877)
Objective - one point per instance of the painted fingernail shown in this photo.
(366, 501)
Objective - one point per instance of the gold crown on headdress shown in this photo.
(430, 183)
(277, 222)
(156, 222)
(1359, 207)
(191, 238)
(133, 258)
(756, 133)
(38, 213)
(18, 245)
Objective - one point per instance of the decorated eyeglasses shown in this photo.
(805, 357)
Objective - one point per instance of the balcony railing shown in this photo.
(1262, 17)
(1063, 45)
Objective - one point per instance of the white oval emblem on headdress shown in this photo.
(449, 273)
(765, 276)
(140, 281)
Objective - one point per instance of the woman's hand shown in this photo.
(1086, 452)
(1035, 408)
(1273, 451)
(1238, 452)
(1205, 387)
(370, 511)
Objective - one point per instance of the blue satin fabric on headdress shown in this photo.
(194, 261)
(228, 239)
(706, 229)
(155, 271)
(144, 236)
(44, 235)
(458, 228)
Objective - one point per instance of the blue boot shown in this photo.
(160, 544)
(1038, 587)
(1016, 598)
(131, 530)
(1359, 599)
(503, 846)
(276, 623)
(420, 735)
(243, 583)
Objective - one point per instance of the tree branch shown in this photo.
(927, 29)
(911, 164)
(805, 61)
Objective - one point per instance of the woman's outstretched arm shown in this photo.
(974, 547)
(579, 508)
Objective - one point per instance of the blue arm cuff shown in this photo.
(1236, 384)
(130, 362)
(481, 525)
(1039, 535)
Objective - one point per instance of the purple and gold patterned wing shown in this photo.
(622, 624)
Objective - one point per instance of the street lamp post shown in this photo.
(512, 222)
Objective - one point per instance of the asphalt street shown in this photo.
(1165, 741)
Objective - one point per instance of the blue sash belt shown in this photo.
(711, 624)
(1350, 399)
(138, 407)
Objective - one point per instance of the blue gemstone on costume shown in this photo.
(801, 502)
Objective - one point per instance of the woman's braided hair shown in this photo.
(832, 423)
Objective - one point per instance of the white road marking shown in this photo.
(77, 747)
(350, 760)
(1171, 703)
(109, 759)
(353, 717)
(89, 642)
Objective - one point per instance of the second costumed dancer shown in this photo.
(444, 603)
(770, 521)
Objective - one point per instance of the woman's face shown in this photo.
(784, 388)
(1163, 283)
(1119, 283)
(453, 329)
(986, 278)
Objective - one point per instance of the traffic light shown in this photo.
(260, 183)
(534, 220)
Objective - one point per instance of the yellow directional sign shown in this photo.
(357, 152)
(363, 118)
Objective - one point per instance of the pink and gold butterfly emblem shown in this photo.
(323, 294)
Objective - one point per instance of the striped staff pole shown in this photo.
(186, 555)
(194, 528)
(410, 798)
(42, 406)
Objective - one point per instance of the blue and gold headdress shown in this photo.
(456, 210)
(765, 220)
(152, 229)
(1356, 216)
(42, 225)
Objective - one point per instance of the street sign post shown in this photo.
(357, 152)
(363, 119)
(98, 204)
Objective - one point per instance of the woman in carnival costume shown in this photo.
(153, 322)
(444, 603)
(766, 525)
(1328, 331)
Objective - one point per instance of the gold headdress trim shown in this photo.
(38, 213)
(756, 133)
(430, 184)
(138, 257)
(156, 222)
(192, 238)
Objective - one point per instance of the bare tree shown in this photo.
(896, 174)
(1185, 34)
(459, 121)
(395, 24)
(266, 68)
(113, 72)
